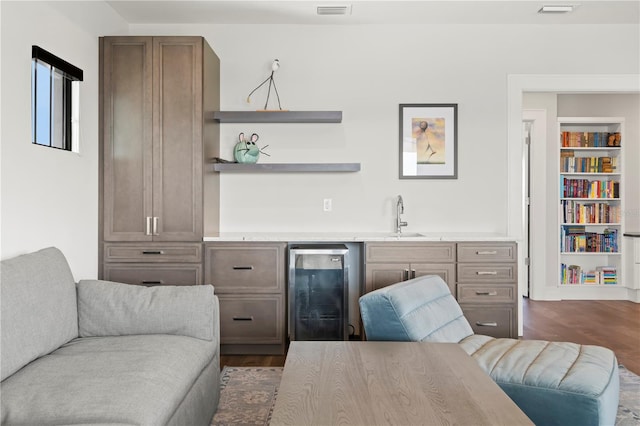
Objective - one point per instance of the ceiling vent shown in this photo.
(556, 8)
(333, 10)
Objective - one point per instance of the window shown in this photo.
(54, 101)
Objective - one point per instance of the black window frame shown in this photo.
(69, 73)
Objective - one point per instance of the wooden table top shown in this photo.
(393, 383)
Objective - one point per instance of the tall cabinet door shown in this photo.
(177, 138)
(127, 138)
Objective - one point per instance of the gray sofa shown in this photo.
(98, 352)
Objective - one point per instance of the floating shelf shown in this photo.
(278, 116)
(286, 167)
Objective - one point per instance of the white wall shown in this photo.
(49, 196)
(366, 71)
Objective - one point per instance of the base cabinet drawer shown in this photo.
(155, 274)
(498, 321)
(478, 293)
(245, 268)
(410, 252)
(487, 252)
(490, 272)
(251, 320)
(153, 252)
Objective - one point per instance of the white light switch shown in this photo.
(326, 205)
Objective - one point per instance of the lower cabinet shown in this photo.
(153, 263)
(487, 287)
(482, 276)
(380, 275)
(249, 279)
(389, 263)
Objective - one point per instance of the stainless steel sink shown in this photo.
(407, 235)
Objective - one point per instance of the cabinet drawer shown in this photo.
(145, 274)
(475, 293)
(491, 273)
(254, 268)
(152, 253)
(496, 321)
(486, 252)
(246, 319)
(411, 252)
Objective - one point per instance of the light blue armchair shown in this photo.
(554, 383)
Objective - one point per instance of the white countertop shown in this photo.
(354, 236)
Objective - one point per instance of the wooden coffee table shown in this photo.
(393, 383)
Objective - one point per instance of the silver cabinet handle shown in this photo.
(487, 293)
(152, 252)
(406, 274)
(413, 273)
(243, 268)
(485, 253)
(487, 273)
(148, 226)
(487, 324)
(155, 225)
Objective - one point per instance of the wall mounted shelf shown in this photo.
(278, 116)
(286, 167)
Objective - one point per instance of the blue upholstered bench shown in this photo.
(553, 383)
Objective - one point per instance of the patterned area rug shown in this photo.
(629, 408)
(248, 395)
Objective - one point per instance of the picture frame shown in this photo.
(428, 141)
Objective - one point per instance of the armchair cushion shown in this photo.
(421, 309)
(114, 309)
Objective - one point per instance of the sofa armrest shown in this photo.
(114, 309)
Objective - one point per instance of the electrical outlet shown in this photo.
(326, 205)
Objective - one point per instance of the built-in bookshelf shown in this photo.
(591, 201)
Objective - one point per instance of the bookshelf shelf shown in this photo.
(581, 253)
(590, 148)
(592, 224)
(591, 202)
(588, 173)
(589, 199)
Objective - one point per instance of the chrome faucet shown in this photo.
(399, 211)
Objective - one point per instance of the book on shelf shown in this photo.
(576, 212)
(571, 164)
(601, 275)
(590, 139)
(585, 188)
(575, 239)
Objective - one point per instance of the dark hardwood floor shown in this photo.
(614, 324)
(252, 360)
(611, 323)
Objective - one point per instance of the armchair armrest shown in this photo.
(114, 309)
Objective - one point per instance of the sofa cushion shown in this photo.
(114, 309)
(38, 304)
(552, 382)
(421, 309)
(137, 380)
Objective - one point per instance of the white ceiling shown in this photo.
(375, 12)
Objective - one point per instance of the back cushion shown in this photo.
(38, 305)
(421, 309)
